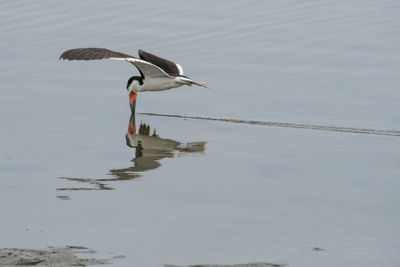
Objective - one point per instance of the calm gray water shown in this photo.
(203, 191)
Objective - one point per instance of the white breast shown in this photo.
(158, 84)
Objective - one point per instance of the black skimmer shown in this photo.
(156, 73)
(150, 149)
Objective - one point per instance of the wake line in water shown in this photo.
(286, 124)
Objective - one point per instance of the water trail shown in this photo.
(287, 124)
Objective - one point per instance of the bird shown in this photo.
(156, 73)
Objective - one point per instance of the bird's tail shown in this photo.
(187, 81)
(202, 84)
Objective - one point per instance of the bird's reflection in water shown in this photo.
(149, 150)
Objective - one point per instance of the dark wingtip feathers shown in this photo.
(168, 66)
(91, 53)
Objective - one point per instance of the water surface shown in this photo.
(204, 191)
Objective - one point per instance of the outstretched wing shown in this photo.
(92, 53)
(146, 68)
(172, 68)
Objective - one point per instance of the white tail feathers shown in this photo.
(202, 84)
(189, 82)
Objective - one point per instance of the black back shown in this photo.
(168, 66)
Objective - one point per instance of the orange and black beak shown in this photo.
(132, 124)
(132, 100)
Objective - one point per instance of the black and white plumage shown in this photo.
(157, 74)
